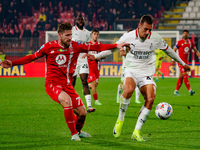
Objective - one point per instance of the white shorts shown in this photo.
(122, 75)
(140, 80)
(81, 68)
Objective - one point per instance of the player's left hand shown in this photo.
(160, 58)
(186, 67)
(90, 57)
(85, 55)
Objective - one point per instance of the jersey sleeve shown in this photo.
(178, 44)
(122, 39)
(162, 45)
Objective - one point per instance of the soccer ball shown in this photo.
(163, 110)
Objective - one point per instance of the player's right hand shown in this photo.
(6, 63)
(187, 67)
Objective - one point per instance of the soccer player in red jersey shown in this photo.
(94, 67)
(184, 47)
(61, 58)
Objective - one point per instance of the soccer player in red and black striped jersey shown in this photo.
(61, 58)
(184, 46)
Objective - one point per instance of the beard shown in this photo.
(80, 26)
(65, 44)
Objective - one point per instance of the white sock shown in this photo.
(142, 118)
(137, 93)
(119, 90)
(123, 107)
(88, 100)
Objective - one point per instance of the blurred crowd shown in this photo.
(37, 16)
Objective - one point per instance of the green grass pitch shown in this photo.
(29, 119)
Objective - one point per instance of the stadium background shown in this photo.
(40, 16)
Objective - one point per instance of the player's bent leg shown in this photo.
(119, 91)
(94, 92)
(66, 102)
(187, 84)
(84, 80)
(122, 111)
(129, 87)
(73, 81)
(80, 120)
(137, 95)
(149, 92)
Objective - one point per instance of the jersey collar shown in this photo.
(137, 34)
(78, 28)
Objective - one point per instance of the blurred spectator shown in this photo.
(50, 17)
(2, 34)
(150, 11)
(2, 38)
(55, 11)
(53, 29)
(28, 7)
(26, 38)
(90, 12)
(47, 13)
(10, 12)
(43, 17)
(17, 37)
(110, 17)
(40, 25)
(35, 39)
(9, 35)
(54, 23)
(89, 26)
(2, 56)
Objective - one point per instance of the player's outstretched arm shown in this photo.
(171, 53)
(21, 61)
(196, 52)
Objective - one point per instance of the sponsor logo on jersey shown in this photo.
(186, 49)
(60, 59)
(141, 54)
(148, 78)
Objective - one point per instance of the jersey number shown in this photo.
(85, 66)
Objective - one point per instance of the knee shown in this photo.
(84, 81)
(128, 90)
(150, 100)
(82, 114)
(65, 102)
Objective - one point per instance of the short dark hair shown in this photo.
(79, 16)
(186, 31)
(146, 18)
(64, 26)
(94, 30)
(129, 30)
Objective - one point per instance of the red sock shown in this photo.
(186, 81)
(95, 96)
(79, 123)
(70, 119)
(179, 83)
